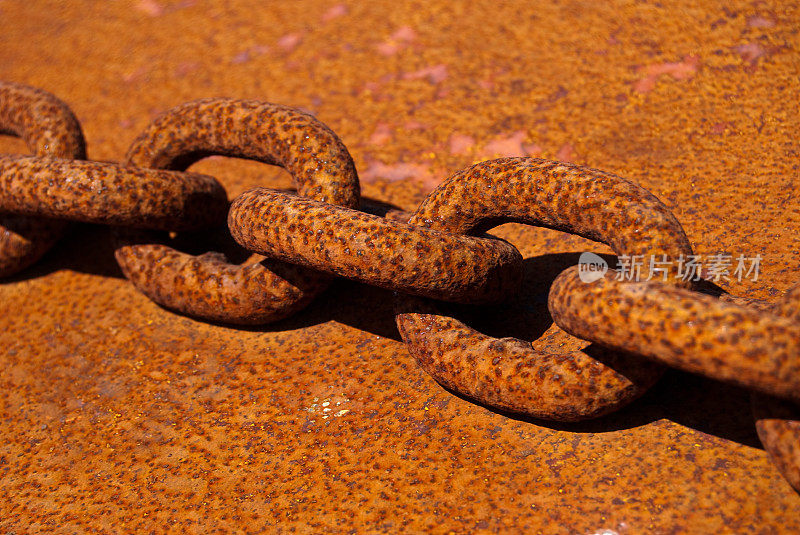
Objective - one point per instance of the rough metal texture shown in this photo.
(684, 329)
(508, 373)
(778, 426)
(375, 250)
(208, 286)
(752, 344)
(110, 194)
(777, 420)
(49, 128)
(121, 416)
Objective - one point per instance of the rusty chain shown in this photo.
(440, 253)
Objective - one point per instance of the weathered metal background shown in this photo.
(117, 414)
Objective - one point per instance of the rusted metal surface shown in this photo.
(687, 330)
(375, 250)
(778, 425)
(121, 415)
(778, 420)
(209, 286)
(508, 373)
(110, 194)
(49, 128)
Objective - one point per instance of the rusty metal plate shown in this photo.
(120, 415)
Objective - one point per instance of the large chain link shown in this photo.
(440, 254)
(508, 373)
(208, 286)
(49, 128)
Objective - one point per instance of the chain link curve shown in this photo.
(207, 286)
(50, 129)
(508, 373)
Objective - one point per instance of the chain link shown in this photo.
(508, 373)
(698, 333)
(208, 286)
(110, 194)
(49, 128)
(439, 253)
(374, 250)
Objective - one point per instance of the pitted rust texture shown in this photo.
(121, 416)
(110, 194)
(777, 420)
(508, 373)
(593, 204)
(684, 329)
(375, 250)
(778, 427)
(789, 306)
(207, 286)
(49, 128)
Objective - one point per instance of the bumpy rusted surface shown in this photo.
(688, 330)
(49, 128)
(778, 427)
(508, 373)
(107, 193)
(208, 286)
(375, 250)
(778, 420)
(121, 416)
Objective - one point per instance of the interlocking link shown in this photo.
(695, 332)
(207, 286)
(375, 250)
(110, 194)
(509, 373)
(753, 344)
(634, 328)
(49, 128)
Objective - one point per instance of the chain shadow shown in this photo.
(84, 248)
(702, 404)
(689, 400)
(371, 309)
(88, 248)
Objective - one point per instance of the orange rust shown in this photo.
(119, 415)
(778, 426)
(49, 128)
(208, 286)
(508, 373)
(375, 250)
(688, 330)
(110, 194)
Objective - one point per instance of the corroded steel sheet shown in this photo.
(118, 414)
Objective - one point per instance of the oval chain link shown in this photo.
(208, 286)
(508, 373)
(50, 129)
(375, 250)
